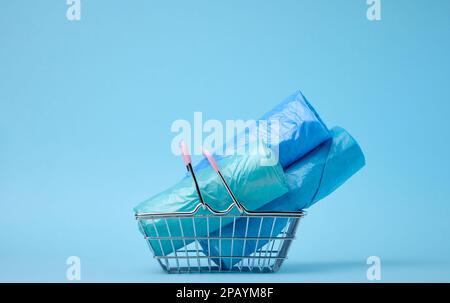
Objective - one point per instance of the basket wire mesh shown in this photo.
(182, 242)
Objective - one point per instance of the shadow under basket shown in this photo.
(205, 240)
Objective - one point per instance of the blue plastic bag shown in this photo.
(309, 180)
(299, 131)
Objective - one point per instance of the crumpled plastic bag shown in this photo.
(250, 181)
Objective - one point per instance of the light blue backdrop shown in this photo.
(86, 109)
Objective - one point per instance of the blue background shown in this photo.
(86, 109)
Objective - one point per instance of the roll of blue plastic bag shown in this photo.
(250, 181)
(299, 131)
(309, 180)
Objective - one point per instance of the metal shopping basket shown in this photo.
(181, 242)
(208, 240)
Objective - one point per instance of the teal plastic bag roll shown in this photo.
(250, 181)
(309, 180)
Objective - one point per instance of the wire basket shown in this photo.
(206, 240)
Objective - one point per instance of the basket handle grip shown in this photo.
(185, 153)
(211, 159)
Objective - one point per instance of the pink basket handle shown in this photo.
(185, 153)
(211, 159)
